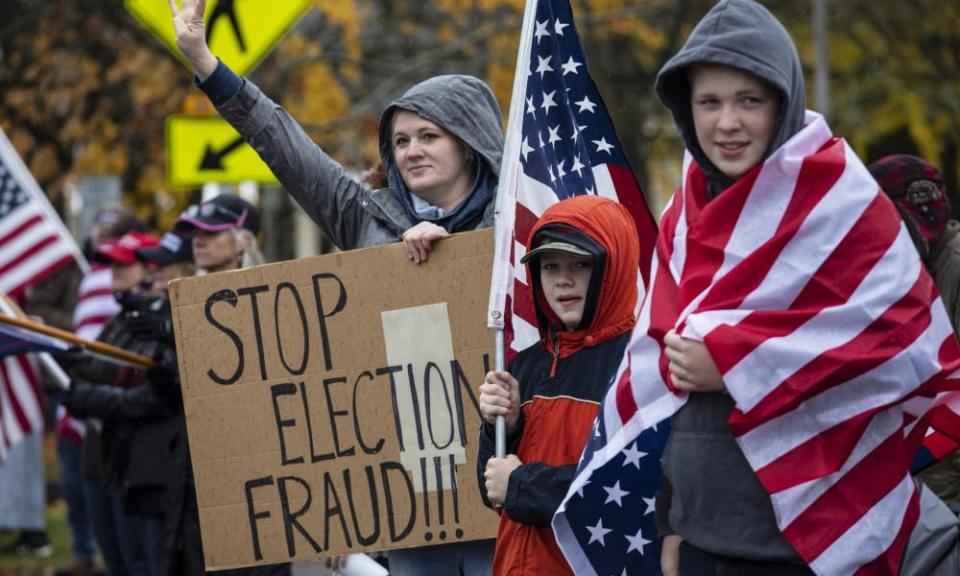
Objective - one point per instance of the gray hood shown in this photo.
(740, 34)
(461, 105)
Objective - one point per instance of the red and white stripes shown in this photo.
(805, 287)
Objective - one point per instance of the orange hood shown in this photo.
(610, 225)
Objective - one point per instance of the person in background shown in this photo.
(147, 411)
(223, 232)
(121, 536)
(920, 195)
(95, 306)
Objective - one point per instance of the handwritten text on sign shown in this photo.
(331, 402)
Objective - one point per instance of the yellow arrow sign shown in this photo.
(208, 149)
(239, 32)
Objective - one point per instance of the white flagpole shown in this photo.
(506, 204)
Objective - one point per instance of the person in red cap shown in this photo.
(129, 272)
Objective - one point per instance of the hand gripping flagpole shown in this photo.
(502, 278)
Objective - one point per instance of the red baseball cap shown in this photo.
(124, 250)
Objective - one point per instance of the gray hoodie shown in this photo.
(740, 34)
(716, 502)
(351, 214)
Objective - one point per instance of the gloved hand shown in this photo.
(74, 399)
(148, 326)
(165, 370)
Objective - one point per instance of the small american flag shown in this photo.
(33, 245)
(807, 291)
(33, 242)
(560, 143)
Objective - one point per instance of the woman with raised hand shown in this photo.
(440, 145)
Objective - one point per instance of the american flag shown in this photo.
(830, 336)
(33, 245)
(33, 242)
(560, 143)
(95, 302)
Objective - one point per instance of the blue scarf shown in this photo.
(466, 216)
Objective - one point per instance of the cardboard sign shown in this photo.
(331, 402)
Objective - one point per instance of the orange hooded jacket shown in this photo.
(562, 380)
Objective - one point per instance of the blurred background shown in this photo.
(85, 89)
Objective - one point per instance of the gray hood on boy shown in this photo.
(740, 34)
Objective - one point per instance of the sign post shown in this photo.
(240, 33)
(204, 149)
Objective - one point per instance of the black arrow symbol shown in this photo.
(213, 159)
(226, 8)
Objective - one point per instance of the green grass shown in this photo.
(59, 532)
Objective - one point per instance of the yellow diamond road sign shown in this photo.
(239, 32)
(208, 149)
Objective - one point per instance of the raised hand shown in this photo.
(191, 36)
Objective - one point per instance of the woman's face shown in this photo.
(215, 251)
(431, 161)
(735, 115)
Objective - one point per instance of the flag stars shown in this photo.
(651, 504)
(553, 177)
(581, 487)
(541, 30)
(554, 136)
(615, 494)
(576, 133)
(558, 27)
(577, 165)
(531, 109)
(548, 102)
(560, 171)
(631, 455)
(570, 67)
(585, 104)
(543, 66)
(637, 542)
(525, 149)
(598, 533)
(603, 145)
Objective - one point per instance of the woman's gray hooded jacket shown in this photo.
(351, 214)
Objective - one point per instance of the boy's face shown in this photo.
(734, 114)
(565, 279)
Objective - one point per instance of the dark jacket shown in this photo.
(562, 382)
(138, 423)
(726, 513)
(352, 215)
